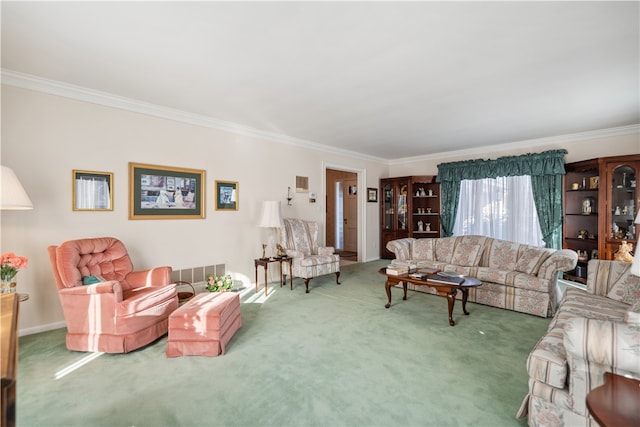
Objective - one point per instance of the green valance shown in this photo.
(533, 164)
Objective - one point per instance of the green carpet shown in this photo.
(333, 357)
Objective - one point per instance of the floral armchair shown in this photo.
(109, 307)
(300, 239)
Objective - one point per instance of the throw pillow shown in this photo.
(626, 289)
(90, 280)
(531, 259)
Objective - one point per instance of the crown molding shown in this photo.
(529, 143)
(53, 87)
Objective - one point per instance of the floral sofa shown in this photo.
(594, 331)
(514, 276)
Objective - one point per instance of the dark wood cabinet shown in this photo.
(410, 207)
(600, 206)
(393, 212)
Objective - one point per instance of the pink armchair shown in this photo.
(123, 310)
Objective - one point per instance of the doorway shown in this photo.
(342, 213)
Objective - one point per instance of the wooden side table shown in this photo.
(264, 263)
(616, 402)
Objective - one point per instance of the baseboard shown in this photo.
(42, 328)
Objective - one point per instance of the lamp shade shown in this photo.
(270, 214)
(13, 195)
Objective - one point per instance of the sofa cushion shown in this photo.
(503, 254)
(444, 249)
(468, 251)
(602, 275)
(579, 303)
(531, 258)
(626, 289)
(423, 249)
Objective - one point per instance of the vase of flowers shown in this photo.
(10, 263)
(219, 283)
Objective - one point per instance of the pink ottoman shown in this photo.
(204, 325)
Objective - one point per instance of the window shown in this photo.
(502, 207)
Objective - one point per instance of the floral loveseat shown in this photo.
(515, 276)
(594, 331)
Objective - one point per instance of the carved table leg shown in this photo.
(465, 295)
(404, 286)
(387, 288)
(451, 299)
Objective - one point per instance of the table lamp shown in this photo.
(270, 218)
(13, 196)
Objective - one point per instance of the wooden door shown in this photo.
(350, 217)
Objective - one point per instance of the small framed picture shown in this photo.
(92, 191)
(593, 182)
(226, 196)
(372, 195)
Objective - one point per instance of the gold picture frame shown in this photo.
(91, 190)
(593, 182)
(227, 196)
(165, 192)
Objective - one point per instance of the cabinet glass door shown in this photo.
(623, 208)
(403, 188)
(387, 194)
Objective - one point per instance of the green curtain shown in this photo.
(546, 170)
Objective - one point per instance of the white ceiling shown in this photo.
(388, 79)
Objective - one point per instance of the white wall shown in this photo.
(45, 137)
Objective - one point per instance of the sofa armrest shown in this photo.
(158, 276)
(401, 248)
(561, 260)
(326, 250)
(597, 346)
(109, 287)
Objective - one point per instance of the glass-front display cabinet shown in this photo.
(394, 212)
(622, 209)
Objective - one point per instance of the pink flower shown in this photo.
(10, 263)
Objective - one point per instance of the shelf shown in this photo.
(425, 232)
(434, 196)
(593, 214)
(426, 214)
(573, 278)
(575, 239)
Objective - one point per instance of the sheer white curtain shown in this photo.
(500, 207)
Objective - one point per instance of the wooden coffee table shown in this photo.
(449, 290)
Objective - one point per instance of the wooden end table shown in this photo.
(616, 402)
(264, 263)
(449, 290)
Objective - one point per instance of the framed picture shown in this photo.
(92, 191)
(593, 182)
(226, 196)
(164, 192)
(372, 194)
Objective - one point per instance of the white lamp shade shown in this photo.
(270, 214)
(13, 195)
